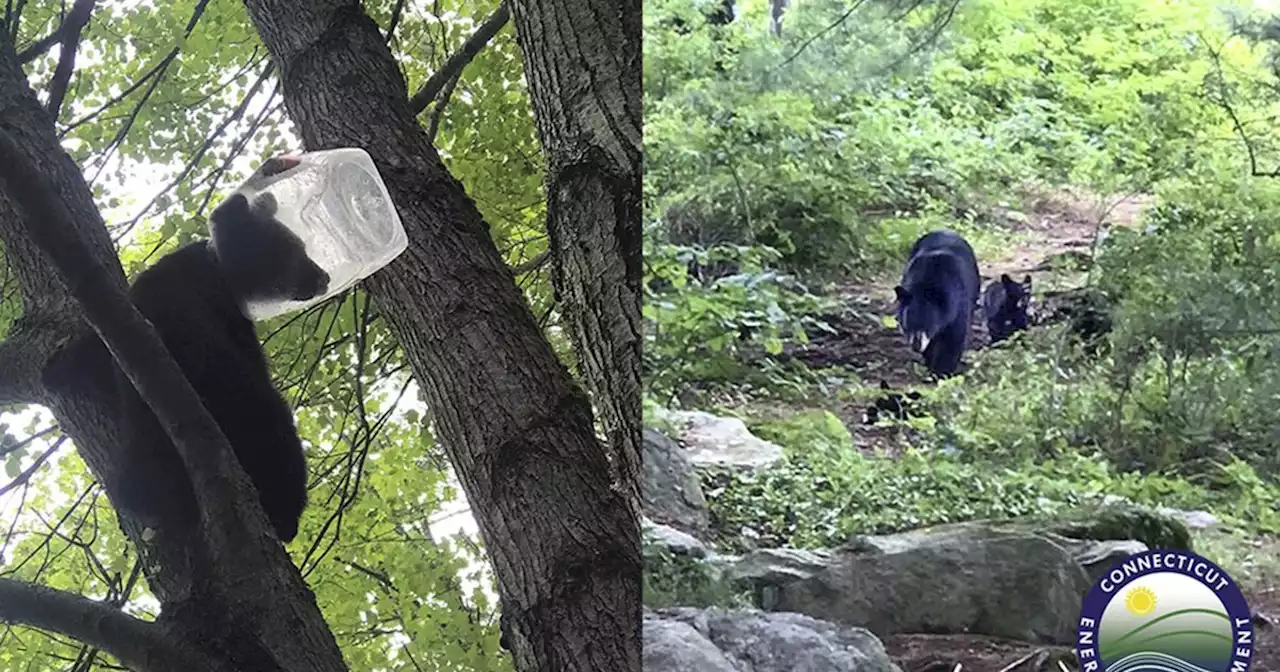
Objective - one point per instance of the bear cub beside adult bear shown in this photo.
(937, 297)
(1005, 303)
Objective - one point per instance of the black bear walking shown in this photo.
(937, 297)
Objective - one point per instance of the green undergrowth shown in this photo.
(826, 491)
(672, 580)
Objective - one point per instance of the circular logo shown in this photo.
(1171, 611)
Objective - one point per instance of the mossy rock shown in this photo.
(1120, 521)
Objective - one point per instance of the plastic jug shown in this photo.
(335, 201)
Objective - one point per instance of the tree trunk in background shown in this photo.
(565, 544)
(582, 62)
(778, 8)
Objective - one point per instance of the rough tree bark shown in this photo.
(582, 62)
(565, 544)
(231, 599)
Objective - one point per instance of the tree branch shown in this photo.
(155, 77)
(818, 35)
(13, 18)
(203, 149)
(136, 643)
(70, 30)
(532, 264)
(40, 46)
(1223, 100)
(396, 13)
(26, 474)
(459, 60)
(433, 126)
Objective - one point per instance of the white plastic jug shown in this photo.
(335, 201)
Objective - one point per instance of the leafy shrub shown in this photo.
(1197, 331)
(699, 328)
(679, 580)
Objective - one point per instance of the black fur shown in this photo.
(195, 297)
(892, 405)
(1005, 303)
(937, 297)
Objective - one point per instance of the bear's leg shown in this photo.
(943, 354)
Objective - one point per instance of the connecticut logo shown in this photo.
(1166, 611)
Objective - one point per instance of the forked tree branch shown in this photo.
(136, 643)
(460, 59)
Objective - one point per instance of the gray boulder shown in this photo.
(717, 640)
(671, 491)
(711, 440)
(672, 540)
(955, 580)
(1097, 557)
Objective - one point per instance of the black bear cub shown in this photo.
(937, 297)
(1005, 302)
(195, 296)
(895, 405)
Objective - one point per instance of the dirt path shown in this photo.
(1061, 223)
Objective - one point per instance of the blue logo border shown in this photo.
(1097, 599)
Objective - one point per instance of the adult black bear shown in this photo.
(1004, 302)
(937, 297)
(195, 298)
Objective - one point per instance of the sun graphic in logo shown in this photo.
(1140, 601)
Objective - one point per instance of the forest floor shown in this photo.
(1050, 228)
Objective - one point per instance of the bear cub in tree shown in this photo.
(1005, 303)
(937, 297)
(195, 296)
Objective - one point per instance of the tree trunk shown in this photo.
(776, 9)
(565, 544)
(582, 62)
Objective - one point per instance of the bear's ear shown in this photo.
(883, 385)
(235, 208)
(264, 204)
(903, 295)
(1026, 281)
(1005, 279)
